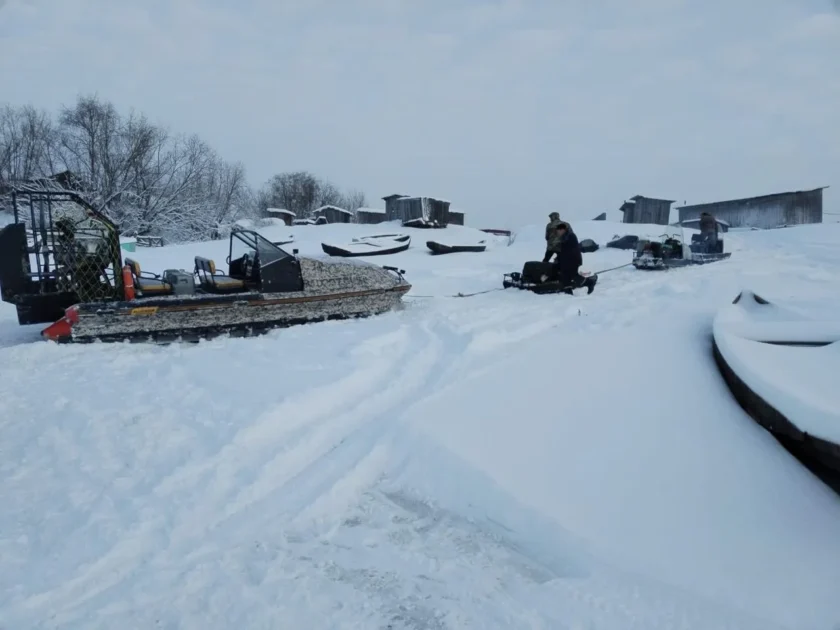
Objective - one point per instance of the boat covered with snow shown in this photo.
(437, 247)
(374, 245)
(672, 252)
(781, 363)
(60, 262)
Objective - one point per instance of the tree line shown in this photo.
(149, 180)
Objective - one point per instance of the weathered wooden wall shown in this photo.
(765, 212)
(370, 217)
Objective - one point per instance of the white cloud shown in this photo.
(495, 104)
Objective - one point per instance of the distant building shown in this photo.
(455, 217)
(640, 209)
(764, 212)
(370, 216)
(416, 209)
(287, 216)
(334, 214)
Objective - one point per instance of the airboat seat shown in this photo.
(150, 284)
(205, 269)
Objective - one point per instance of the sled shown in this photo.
(541, 278)
(671, 252)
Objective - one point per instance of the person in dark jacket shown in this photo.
(569, 259)
(551, 240)
(709, 230)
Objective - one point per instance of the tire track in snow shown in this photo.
(205, 487)
(321, 456)
(331, 455)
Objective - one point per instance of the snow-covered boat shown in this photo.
(444, 248)
(781, 363)
(375, 245)
(81, 280)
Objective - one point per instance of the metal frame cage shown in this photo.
(59, 251)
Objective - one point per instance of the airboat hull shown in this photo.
(206, 316)
(331, 290)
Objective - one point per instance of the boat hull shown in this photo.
(337, 250)
(440, 248)
(796, 412)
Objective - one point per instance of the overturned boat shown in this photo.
(375, 245)
(443, 248)
(673, 252)
(80, 280)
(542, 278)
(781, 364)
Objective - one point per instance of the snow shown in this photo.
(281, 211)
(505, 460)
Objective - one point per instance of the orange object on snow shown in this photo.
(128, 283)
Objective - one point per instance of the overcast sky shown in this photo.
(508, 108)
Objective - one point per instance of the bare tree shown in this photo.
(148, 180)
(302, 193)
(353, 200)
(27, 144)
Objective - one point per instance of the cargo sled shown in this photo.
(673, 252)
(541, 278)
(60, 261)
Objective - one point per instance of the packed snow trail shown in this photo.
(507, 460)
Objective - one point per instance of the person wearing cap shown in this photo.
(551, 239)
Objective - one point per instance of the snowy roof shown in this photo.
(280, 211)
(372, 210)
(426, 197)
(330, 207)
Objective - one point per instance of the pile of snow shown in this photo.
(505, 460)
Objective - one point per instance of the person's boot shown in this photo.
(589, 283)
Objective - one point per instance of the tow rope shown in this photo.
(463, 295)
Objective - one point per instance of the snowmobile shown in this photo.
(672, 252)
(542, 277)
(81, 284)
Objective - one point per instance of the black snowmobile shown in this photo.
(543, 277)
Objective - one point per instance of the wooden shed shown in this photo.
(287, 216)
(417, 210)
(370, 216)
(641, 209)
(334, 214)
(765, 212)
(456, 217)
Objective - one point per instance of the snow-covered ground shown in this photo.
(504, 460)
